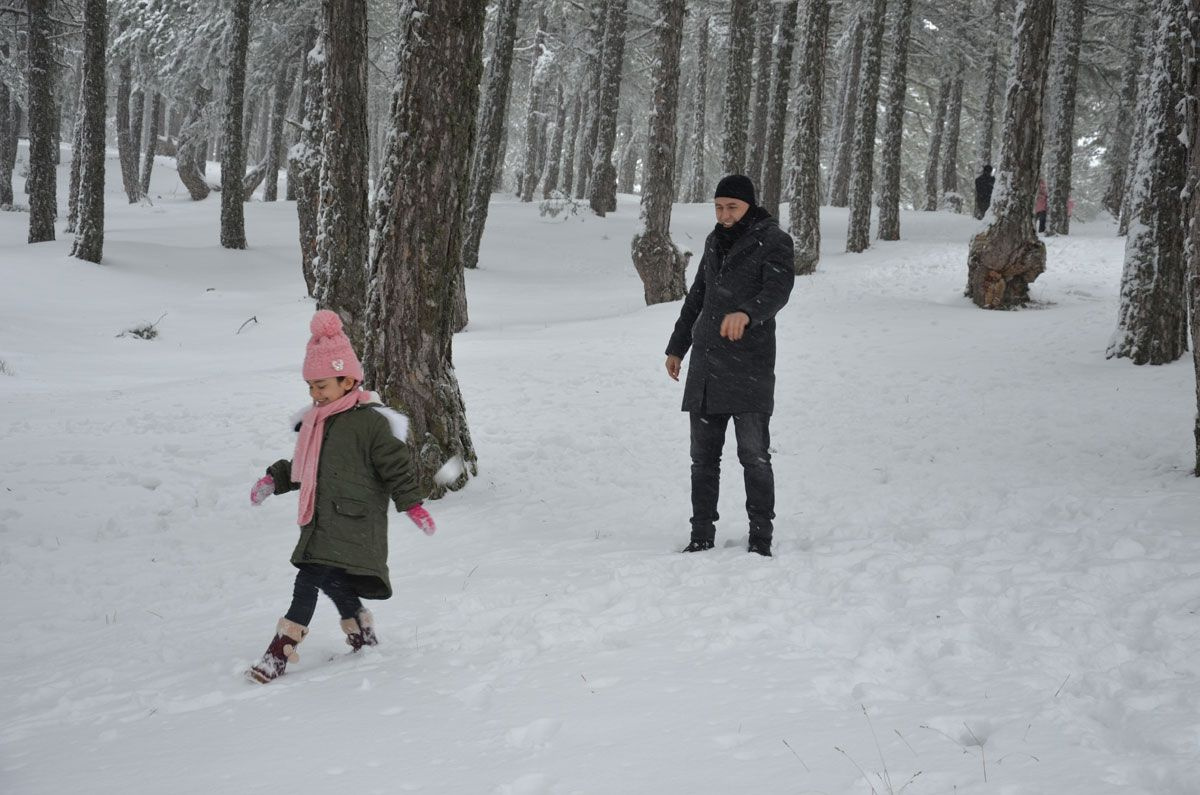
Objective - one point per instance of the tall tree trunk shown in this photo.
(935, 143)
(858, 233)
(89, 236)
(305, 160)
(137, 119)
(151, 142)
(697, 189)
(233, 158)
(893, 125)
(627, 172)
(843, 142)
(594, 66)
(279, 102)
(490, 130)
(568, 156)
(343, 226)
(554, 164)
(1152, 325)
(418, 226)
(805, 185)
(764, 52)
(659, 261)
(296, 137)
(43, 200)
(1008, 256)
(126, 151)
(1116, 156)
(951, 198)
(987, 117)
(736, 105)
(535, 117)
(191, 150)
(602, 191)
(76, 156)
(770, 185)
(1191, 55)
(1062, 146)
(7, 139)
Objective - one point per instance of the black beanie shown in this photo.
(736, 186)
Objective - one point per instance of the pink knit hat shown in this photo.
(330, 354)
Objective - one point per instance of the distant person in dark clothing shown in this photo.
(983, 191)
(727, 322)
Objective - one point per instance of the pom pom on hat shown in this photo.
(329, 353)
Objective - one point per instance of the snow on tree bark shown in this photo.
(554, 164)
(594, 67)
(736, 105)
(770, 184)
(572, 138)
(151, 141)
(76, 157)
(126, 151)
(343, 224)
(233, 158)
(490, 130)
(1007, 257)
(1116, 156)
(858, 233)
(1152, 325)
(893, 125)
(935, 144)
(535, 116)
(627, 172)
(805, 184)
(1191, 55)
(89, 234)
(951, 198)
(137, 118)
(7, 139)
(658, 260)
(845, 123)
(43, 201)
(305, 159)
(1062, 143)
(987, 117)
(697, 188)
(280, 94)
(415, 250)
(602, 188)
(766, 23)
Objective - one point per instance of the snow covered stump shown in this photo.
(1001, 266)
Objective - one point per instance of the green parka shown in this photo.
(363, 464)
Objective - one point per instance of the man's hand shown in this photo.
(734, 325)
(673, 365)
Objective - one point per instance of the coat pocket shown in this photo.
(351, 508)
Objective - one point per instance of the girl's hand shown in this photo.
(421, 518)
(263, 487)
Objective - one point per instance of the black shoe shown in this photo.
(698, 545)
(760, 545)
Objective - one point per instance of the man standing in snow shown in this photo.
(983, 191)
(728, 320)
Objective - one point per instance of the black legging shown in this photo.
(329, 580)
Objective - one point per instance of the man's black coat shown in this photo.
(755, 277)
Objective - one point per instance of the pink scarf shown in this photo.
(308, 447)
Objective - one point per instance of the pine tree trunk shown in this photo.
(554, 164)
(1191, 55)
(843, 143)
(736, 105)
(296, 137)
(1008, 256)
(1116, 156)
(893, 125)
(627, 173)
(935, 143)
(43, 200)
(151, 142)
(89, 236)
(770, 184)
(487, 152)
(595, 68)
(191, 151)
(764, 52)
(342, 221)
(305, 160)
(137, 119)
(658, 260)
(568, 156)
(602, 189)
(805, 184)
(7, 139)
(10, 144)
(76, 157)
(858, 233)
(951, 197)
(418, 226)
(1152, 326)
(126, 151)
(233, 159)
(535, 117)
(1062, 145)
(696, 187)
(280, 95)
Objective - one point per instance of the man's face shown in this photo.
(729, 211)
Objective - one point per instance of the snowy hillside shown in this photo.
(987, 571)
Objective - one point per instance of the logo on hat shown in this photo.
(338, 364)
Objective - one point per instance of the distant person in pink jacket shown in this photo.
(1039, 208)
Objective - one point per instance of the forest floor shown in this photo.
(987, 571)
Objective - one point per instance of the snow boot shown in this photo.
(360, 630)
(760, 545)
(698, 545)
(288, 635)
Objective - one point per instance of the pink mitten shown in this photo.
(422, 519)
(263, 487)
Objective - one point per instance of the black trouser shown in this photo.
(329, 580)
(753, 448)
(1041, 221)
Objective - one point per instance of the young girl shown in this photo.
(350, 459)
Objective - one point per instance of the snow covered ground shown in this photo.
(987, 576)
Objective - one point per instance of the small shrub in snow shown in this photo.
(560, 204)
(5, 369)
(146, 331)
